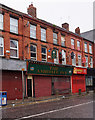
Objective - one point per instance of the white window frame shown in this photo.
(90, 48)
(43, 34)
(63, 41)
(55, 41)
(56, 60)
(85, 47)
(2, 45)
(12, 48)
(44, 60)
(78, 44)
(13, 25)
(63, 57)
(86, 64)
(32, 58)
(1, 21)
(32, 31)
(72, 42)
(91, 61)
(74, 60)
(79, 61)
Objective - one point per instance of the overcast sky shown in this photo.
(78, 13)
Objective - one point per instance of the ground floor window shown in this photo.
(89, 81)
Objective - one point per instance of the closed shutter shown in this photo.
(42, 86)
(61, 85)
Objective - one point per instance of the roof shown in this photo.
(37, 19)
(89, 35)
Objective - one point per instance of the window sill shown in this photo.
(33, 38)
(63, 46)
(55, 44)
(14, 33)
(17, 58)
(44, 41)
(2, 30)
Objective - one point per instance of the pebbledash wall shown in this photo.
(45, 75)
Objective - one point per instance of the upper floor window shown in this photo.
(43, 34)
(79, 60)
(85, 47)
(90, 48)
(1, 21)
(74, 60)
(56, 60)
(13, 48)
(13, 25)
(55, 38)
(72, 43)
(91, 62)
(86, 64)
(1, 46)
(63, 57)
(78, 45)
(62, 41)
(44, 53)
(33, 31)
(33, 52)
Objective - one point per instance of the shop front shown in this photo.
(78, 80)
(45, 79)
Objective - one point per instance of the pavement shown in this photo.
(29, 101)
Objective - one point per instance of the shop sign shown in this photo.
(80, 71)
(48, 70)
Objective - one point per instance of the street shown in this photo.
(76, 107)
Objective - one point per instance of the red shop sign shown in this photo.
(80, 71)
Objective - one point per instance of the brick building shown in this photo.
(39, 56)
(90, 77)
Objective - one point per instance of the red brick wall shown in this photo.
(24, 39)
(42, 86)
(12, 83)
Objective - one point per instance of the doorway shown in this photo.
(29, 87)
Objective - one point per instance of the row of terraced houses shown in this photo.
(39, 59)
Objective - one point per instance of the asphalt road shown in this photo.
(76, 107)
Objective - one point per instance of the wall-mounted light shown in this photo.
(27, 24)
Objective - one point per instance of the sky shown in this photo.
(77, 13)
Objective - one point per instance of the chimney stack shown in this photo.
(77, 30)
(32, 10)
(66, 26)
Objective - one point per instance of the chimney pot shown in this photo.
(66, 26)
(77, 30)
(31, 10)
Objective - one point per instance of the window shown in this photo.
(13, 25)
(13, 48)
(89, 81)
(74, 60)
(90, 48)
(85, 47)
(72, 43)
(62, 41)
(63, 57)
(43, 34)
(78, 45)
(1, 46)
(54, 38)
(44, 54)
(33, 31)
(33, 52)
(79, 60)
(56, 59)
(1, 21)
(86, 64)
(91, 62)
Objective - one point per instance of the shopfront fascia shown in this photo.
(48, 76)
(78, 79)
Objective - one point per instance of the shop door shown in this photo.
(29, 88)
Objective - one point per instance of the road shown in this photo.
(76, 107)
